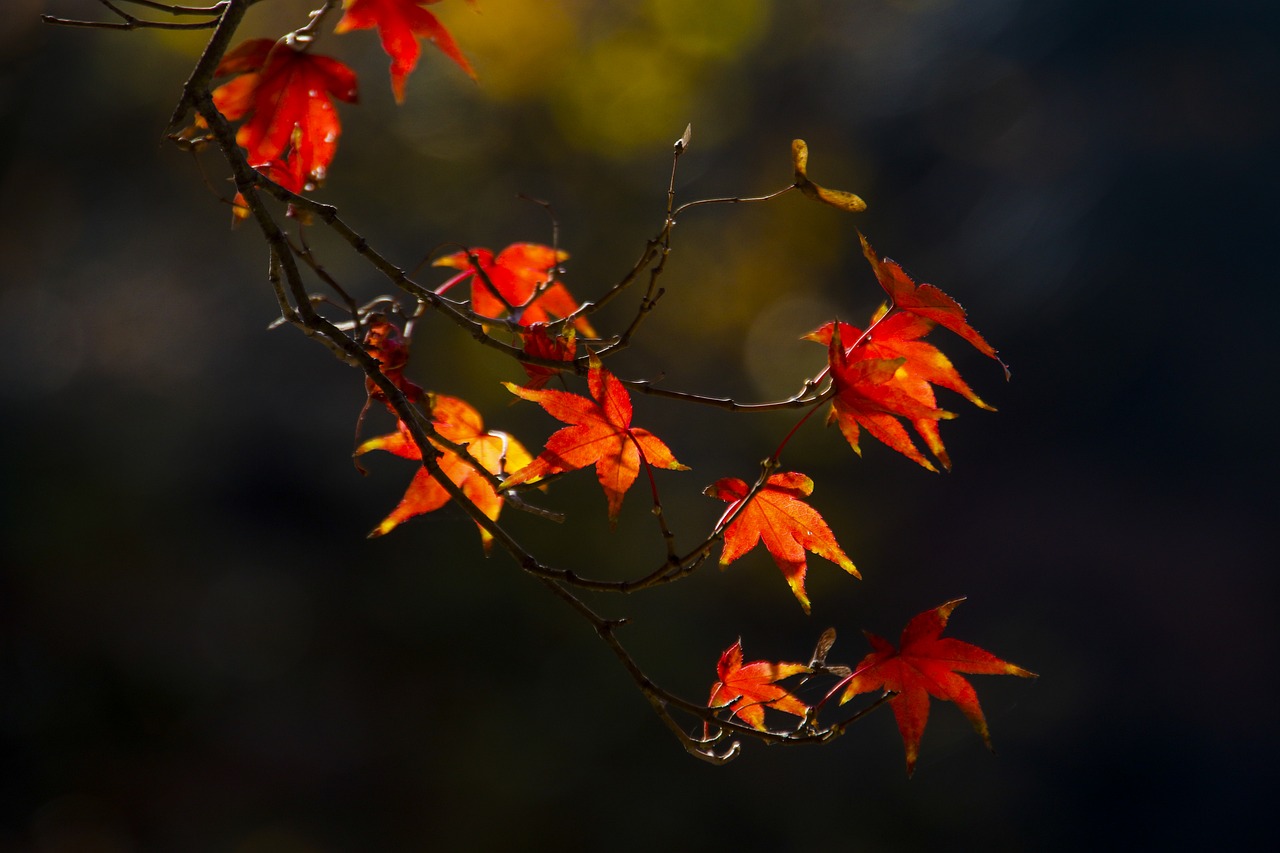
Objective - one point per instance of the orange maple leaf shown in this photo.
(747, 690)
(887, 376)
(399, 23)
(787, 525)
(925, 300)
(600, 434)
(926, 665)
(459, 423)
(516, 273)
(291, 129)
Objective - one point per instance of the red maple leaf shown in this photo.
(400, 23)
(887, 376)
(600, 434)
(747, 690)
(459, 423)
(927, 665)
(516, 274)
(788, 526)
(538, 342)
(925, 300)
(291, 128)
(384, 342)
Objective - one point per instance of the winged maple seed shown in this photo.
(599, 433)
(787, 525)
(400, 23)
(836, 198)
(747, 690)
(510, 280)
(458, 422)
(290, 131)
(927, 665)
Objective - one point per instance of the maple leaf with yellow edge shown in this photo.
(599, 433)
(400, 23)
(787, 525)
(516, 274)
(746, 690)
(888, 375)
(925, 665)
(458, 422)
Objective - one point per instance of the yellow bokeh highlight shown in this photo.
(518, 47)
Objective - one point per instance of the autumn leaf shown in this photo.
(836, 198)
(747, 690)
(926, 665)
(787, 525)
(285, 97)
(890, 375)
(456, 421)
(599, 433)
(385, 344)
(538, 342)
(925, 300)
(515, 274)
(400, 23)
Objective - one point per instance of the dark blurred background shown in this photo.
(199, 651)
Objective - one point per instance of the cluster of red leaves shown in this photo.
(515, 281)
(926, 664)
(599, 433)
(400, 23)
(284, 93)
(885, 375)
(787, 525)
(285, 97)
(455, 421)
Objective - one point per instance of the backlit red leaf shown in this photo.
(746, 690)
(599, 433)
(786, 524)
(888, 377)
(925, 665)
(514, 276)
(285, 99)
(400, 23)
(924, 300)
(539, 343)
(458, 422)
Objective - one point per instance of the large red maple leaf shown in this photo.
(787, 525)
(400, 23)
(599, 433)
(285, 96)
(746, 690)
(459, 423)
(887, 376)
(925, 665)
(516, 273)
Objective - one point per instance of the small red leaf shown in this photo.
(400, 23)
(747, 690)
